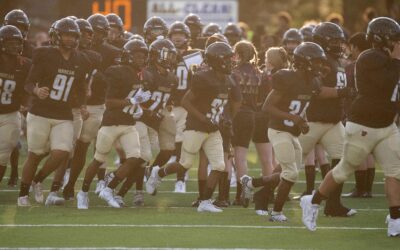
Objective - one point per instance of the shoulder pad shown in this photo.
(372, 59)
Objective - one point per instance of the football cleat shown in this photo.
(208, 206)
(138, 199)
(12, 182)
(100, 186)
(277, 217)
(247, 192)
(262, 212)
(53, 199)
(180, 187)
(393, 227)
(154, 181)
(310, 212)
(221, 203)
(38, 190)
(120, 200)
(107, 195)
(82, 199)
(23, 201)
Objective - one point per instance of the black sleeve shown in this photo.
(113, 79)
(198, 85)
(280, 81)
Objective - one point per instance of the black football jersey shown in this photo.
(27, 49)
(98, 83)
(211, 96)
(13, 74)
(163, 89)
(329, 110)
(248, 77)
(123, 83)
(297, 91)
(377, 83)
(183, 74)
(64, 78)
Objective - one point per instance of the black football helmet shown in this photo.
(72, 17)
(100, 27)
(86, 33)
(210, 29)
(52, 33)
(291, 39)
(115, 22)
(163, 52)
(66, 26)
(306, 31)
(195, 25)
(11, 40)
(135, 53)
(218, 56)
(233, 32)
(309, 57)
(330, 37)
(382, 31)
(217, 37)
(179, 28)
(19, 19)
(136, 37)
(155, 27)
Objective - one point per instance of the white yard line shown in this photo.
(130, 248)
(188, 226)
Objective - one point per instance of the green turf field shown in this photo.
(168, 221)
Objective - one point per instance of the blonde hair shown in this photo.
(277, 57)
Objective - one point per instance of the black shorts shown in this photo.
(260, 134)
(243, 128)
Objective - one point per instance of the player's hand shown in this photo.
(304, 128)
(84, 113)
(42, 92)
(138, 113)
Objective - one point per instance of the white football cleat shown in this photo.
(23, 201)
(277, 217)
(310, 212)
(120, 200)
(262, 212)
(208, 206)
(53, 199)
(82, 200)
(154, 181)
(100, 186)
(180, 187)
(38, 190)
(233, 179)
(393, 227)
(247, 191)
(107, 195)
(351, 212)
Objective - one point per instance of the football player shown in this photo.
(55, 80)
(90, 125)
(195, 25)
(291, 39)
(233, 33)
(116, 33)
(370, 127)
(13, 72)
(292, 91)
(325, 116)
(205, 102)
(154, 28)
(179, 34)
(123, 99)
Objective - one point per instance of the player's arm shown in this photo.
(186, 103)
(270, 107)
(34, 76)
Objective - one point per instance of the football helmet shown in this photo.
(155, 27)
(11, 40)
(66, 26)
(179, 28)
(135, 53)
(100, 27)
(309, 57)
(210, 29)
(330, 37)
(195, 25)
(19, 19)
(291, 39)
(218, 56)
(382, 31)
(233, 32)
(163, 53)
(86, 33)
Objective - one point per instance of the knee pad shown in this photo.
(290, 175)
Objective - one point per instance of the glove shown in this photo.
(140, 97)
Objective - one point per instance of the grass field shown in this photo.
(168, 221)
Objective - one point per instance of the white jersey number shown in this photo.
(61, 87)
(158, 98)
(217, 107)
(341, 80)
(295, 109)
(7, 88)
(182, 74)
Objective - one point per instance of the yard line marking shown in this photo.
(130, 248)
(188, 226)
